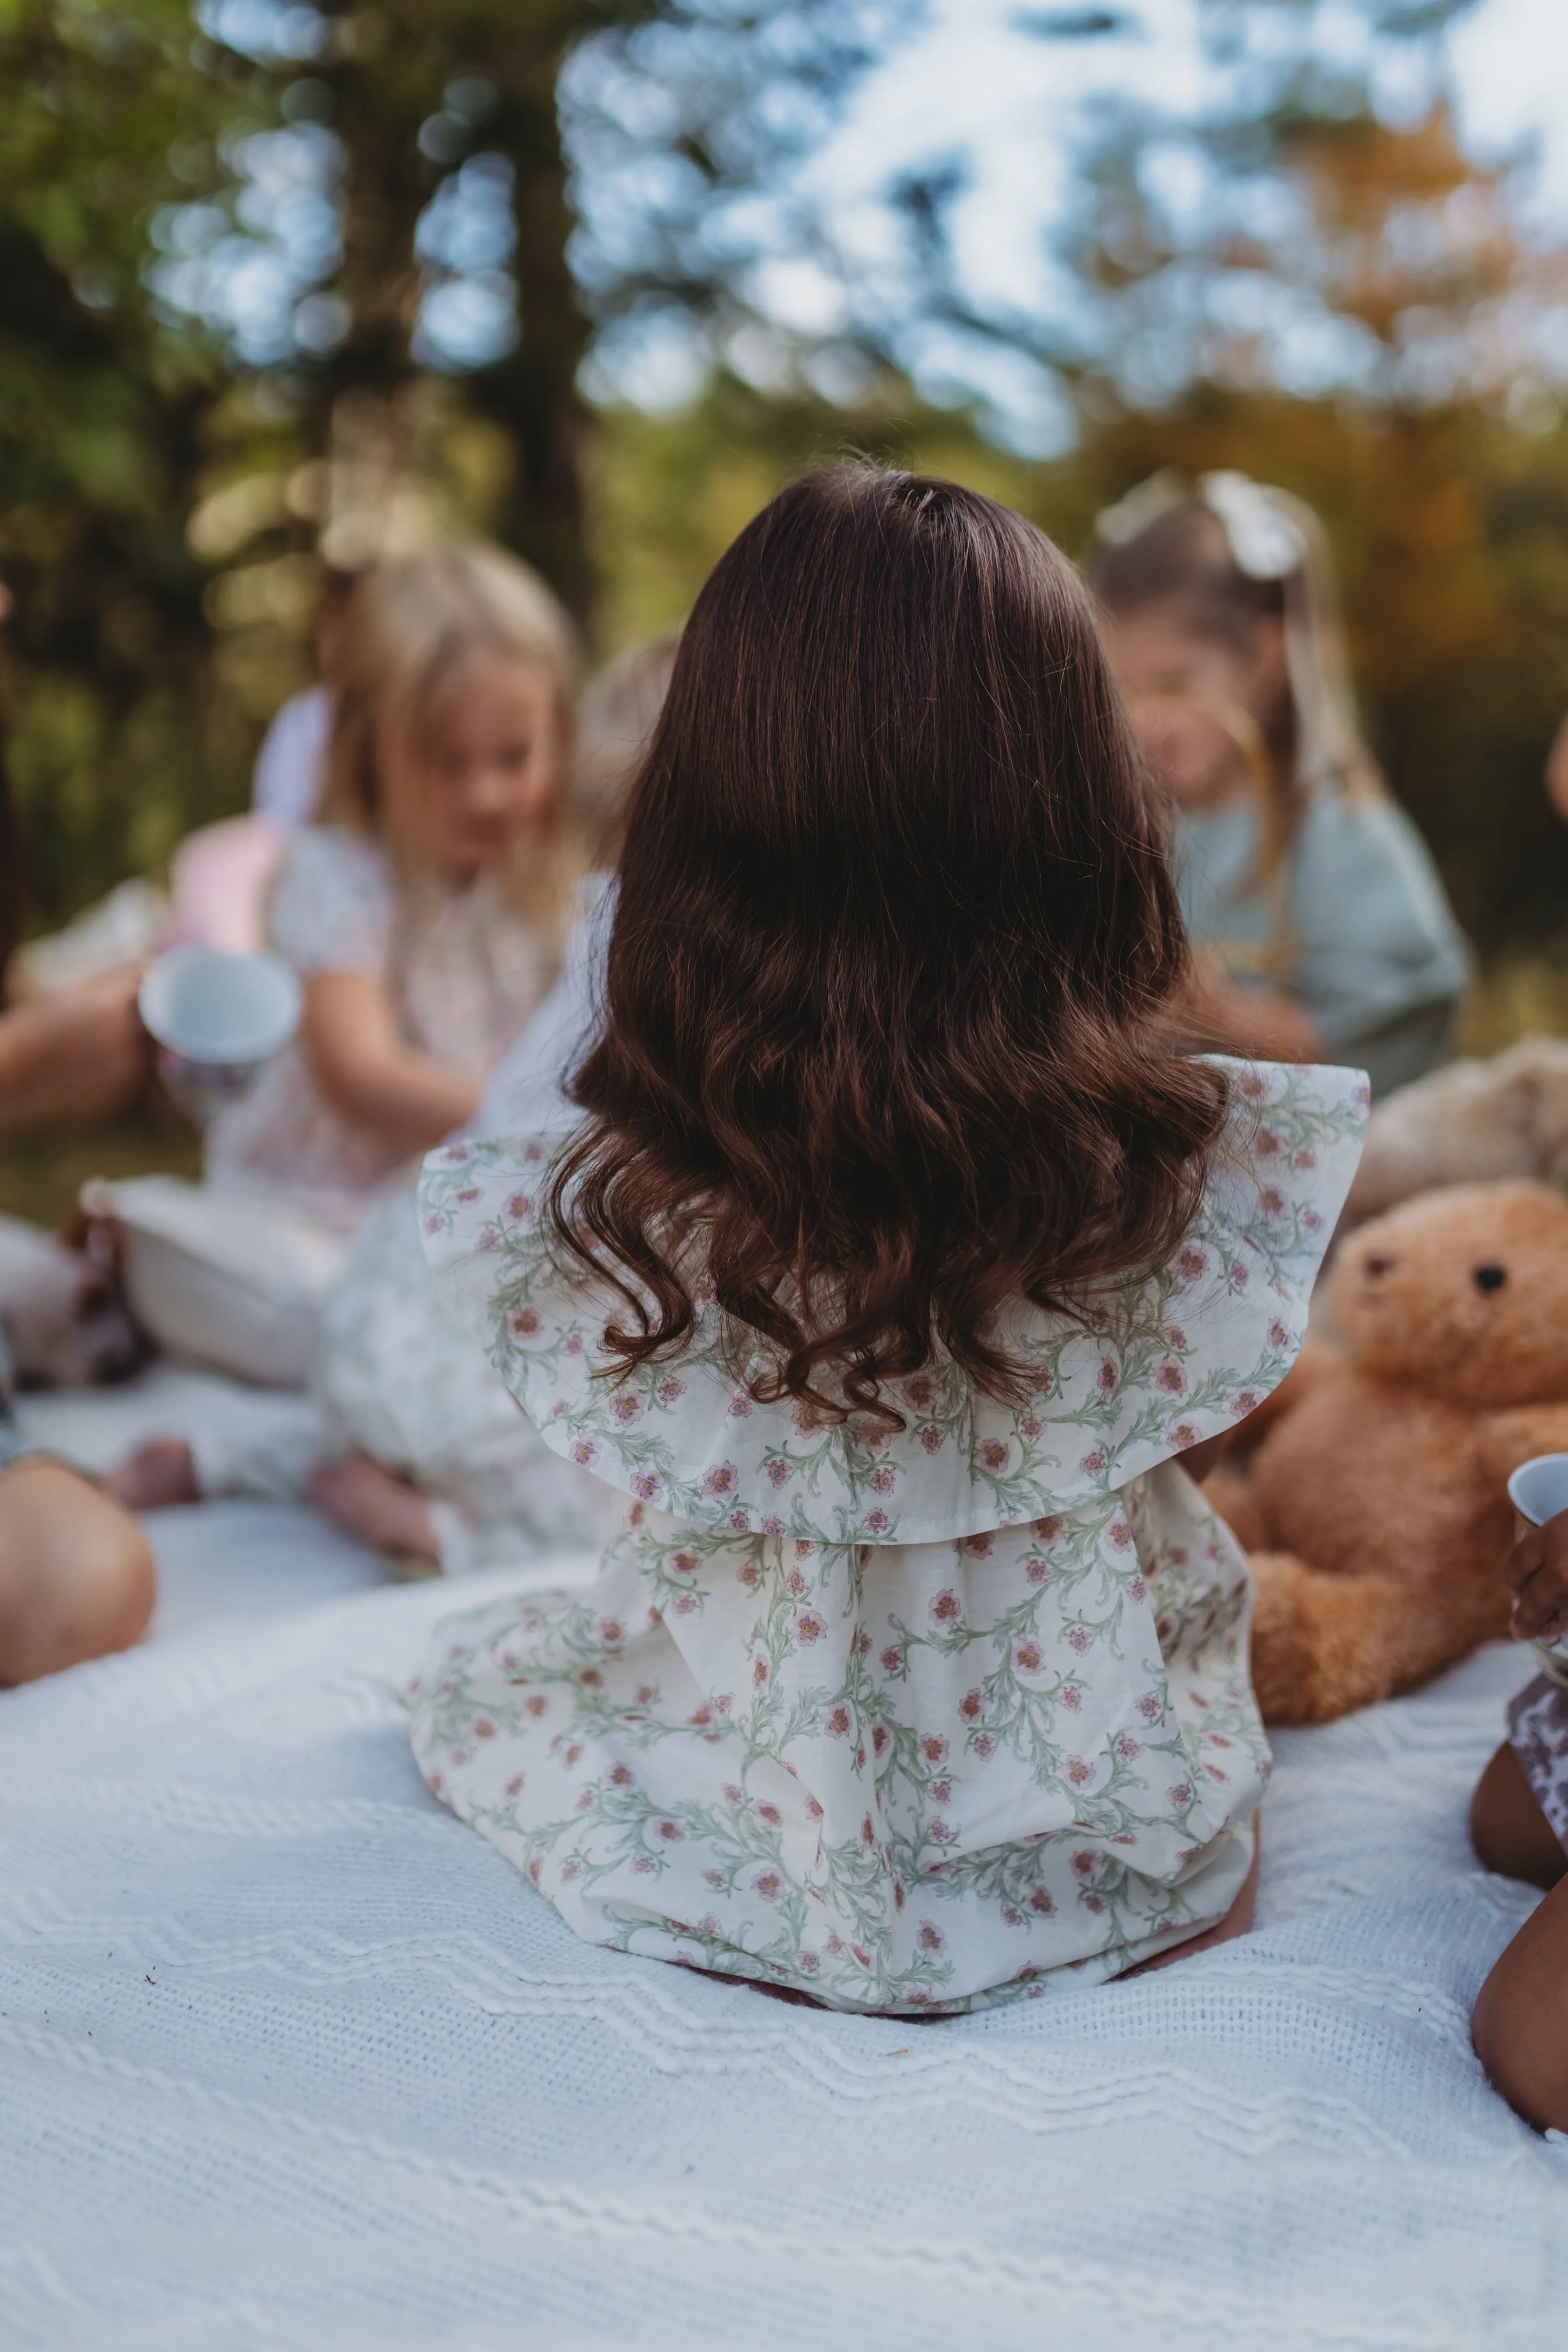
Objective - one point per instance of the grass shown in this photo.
(41, 1173)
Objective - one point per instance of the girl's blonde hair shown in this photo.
(411, 626)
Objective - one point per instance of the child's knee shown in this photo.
(1520, 2027)
(1508, 1829)
(76, 1574)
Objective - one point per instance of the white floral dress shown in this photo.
(464, 967)
(918, 1722)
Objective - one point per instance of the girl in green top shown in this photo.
(1322, 928)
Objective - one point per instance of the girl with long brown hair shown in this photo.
(893, 1268)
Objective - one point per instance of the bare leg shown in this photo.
(1508, 1829)
(77, 1575)
(1521, 2024)
(161, 1472)
(368, 1501)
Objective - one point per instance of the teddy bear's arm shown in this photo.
(1324, 1644)
(1506, 1439)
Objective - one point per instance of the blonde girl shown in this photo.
(1321, 926)
(424, 909)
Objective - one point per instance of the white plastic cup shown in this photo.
(216, 1019)
(1538, 1491)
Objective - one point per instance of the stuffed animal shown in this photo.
(1374, 1505)
(1468, 1123)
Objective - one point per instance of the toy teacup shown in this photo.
(215, 1019)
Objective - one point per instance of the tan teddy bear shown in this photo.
(1374, 1506)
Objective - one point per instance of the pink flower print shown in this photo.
(1245, 1401)
(1266, 1145)
(1093, 1464)
(920, 1392)
(934, 1748)
(714, 1878)
(861, 1954)
(1251, 1086)
(862, 1644)
(1218, 1739)
(521, 1205)
(984, 1744)
(723, 1702)
(803, 1547)
(1305, 1158)
(1049, 1529)
(533, 1868)
(684, 1563)
(1109, 1377)
(945, 1608)
(1028, 1657)
(1171, 1380)
(700, 1715)
(778, 1469)
(892, 1659)
(1271, 1201)
(993, 1455)
(670, 1389)
(720, 1478)
(468, 1192)
(1184, 1433)
(1083, 1864)
(860, 1757)
(1094, 1903)
(1238, 1274)
(807, 1418)
(685, 1604)
(533, 1155)
(1149, 1706)
(523, 1324)
(808, 1963)
(1036, 1570)
(1136, 1589)
(1031, 1427)
(796, 1583)
(585, 1801)
(930, 1937)
(514, 1786)
(877, 1523)
(879, 1738)
(644, 1865)
(1127, 1747)
(976, 1546)
(812, 1810)
(868, 1831)
(1040, 1901)
(570, 1869)
(769, 1885)
(732, 1794)
(573, 1344)
(837, 1721)
(591, 1678)
(1176, 1337)
(1121, 1534)
(574, 1753)
(586, 1452)
(882, 1478)
(435, 1224)
(1164, 1627)
(1277, 1335)
(1079, 1638)
(771, 1814)
(536, 1703)
(940, 1832)
(620, 1776)
(809, 1627)
(670, 1832)
(1073, 1698)
(1182, 1794)
(942, 1792)
(933, 1438)
(772, 1526)
(1191, 1263)
(972, 1706)
(1079, 1773)
(645, 1486)
(624, 1408)
(458, 1155)
(759, 1672)
(611, 1632)
(484, 1729)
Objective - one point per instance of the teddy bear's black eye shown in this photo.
(1489, 1278)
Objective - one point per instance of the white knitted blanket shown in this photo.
(288, 2058)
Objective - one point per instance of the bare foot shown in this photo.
(372, 1503)
(160, 1473)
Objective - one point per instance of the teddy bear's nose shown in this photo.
(1378, 1266)
(1489, 1278)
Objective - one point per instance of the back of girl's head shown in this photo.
(413, 634)
(894, 922)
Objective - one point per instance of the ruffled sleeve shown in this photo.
(1151, 1370)
(333, 906)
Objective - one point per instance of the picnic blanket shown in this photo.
(292, 2059)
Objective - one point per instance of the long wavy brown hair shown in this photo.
(894, 928)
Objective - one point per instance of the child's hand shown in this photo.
(1538, 1579)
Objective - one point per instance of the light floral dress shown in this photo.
(465, 969)
(913, 1722)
